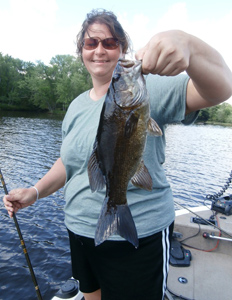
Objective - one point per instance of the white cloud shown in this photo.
(175, 18)
(215, 32)
(141, 28)
(138, 29)
(26, 24)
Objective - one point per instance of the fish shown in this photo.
(118, 149)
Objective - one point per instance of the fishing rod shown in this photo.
(23, 244)
(203, 219)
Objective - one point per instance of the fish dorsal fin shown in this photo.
(96, 178)
(142, 178)
(153, 128)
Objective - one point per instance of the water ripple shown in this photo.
(198, 162)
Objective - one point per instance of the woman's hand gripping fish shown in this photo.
(117, 153)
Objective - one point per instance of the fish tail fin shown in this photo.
(116, 220)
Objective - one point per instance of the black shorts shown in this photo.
(121, 271)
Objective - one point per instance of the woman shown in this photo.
(115, 269)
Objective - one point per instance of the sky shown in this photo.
(37, 30)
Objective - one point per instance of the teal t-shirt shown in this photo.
(152, 211)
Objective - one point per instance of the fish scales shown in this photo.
(117, 153)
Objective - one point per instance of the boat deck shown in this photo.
(210, 272)
(209, 277)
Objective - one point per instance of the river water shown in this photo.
(198, 162)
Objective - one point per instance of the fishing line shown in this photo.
(23, 244)
(203, 219)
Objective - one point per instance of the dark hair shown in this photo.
(108, 18)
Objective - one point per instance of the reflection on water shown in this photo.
(198, 162)
(29, 146)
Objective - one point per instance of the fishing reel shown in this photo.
(223, 205)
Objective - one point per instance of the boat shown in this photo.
(200, 258)
(201, 253)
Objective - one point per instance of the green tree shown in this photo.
(41, 87)
(221, 113)
(24, 88)
(213, 113)
(72, 78)
(203, 115)
(11, 73)
(81, 79)
(62, 70)
(26, 85)
(224, 113)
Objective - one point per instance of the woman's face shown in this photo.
(100, 62)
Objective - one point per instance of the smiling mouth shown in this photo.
(100, 61)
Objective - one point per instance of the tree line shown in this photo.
(221, 113)
(29, 86)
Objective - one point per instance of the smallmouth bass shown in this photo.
(117, 152)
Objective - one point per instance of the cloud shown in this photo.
(137, 27)
(214, 31)
(26, 24)
(141, 28)
(176, 17)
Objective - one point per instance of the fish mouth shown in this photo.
(130, 68)
(128, 64)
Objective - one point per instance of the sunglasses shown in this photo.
(92, 43)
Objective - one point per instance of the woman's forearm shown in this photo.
(53, 180)
(209, 73)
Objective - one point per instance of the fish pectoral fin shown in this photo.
(142, 178)
(96, 178)
(131, 124)
(116, 220)
(153, 128)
